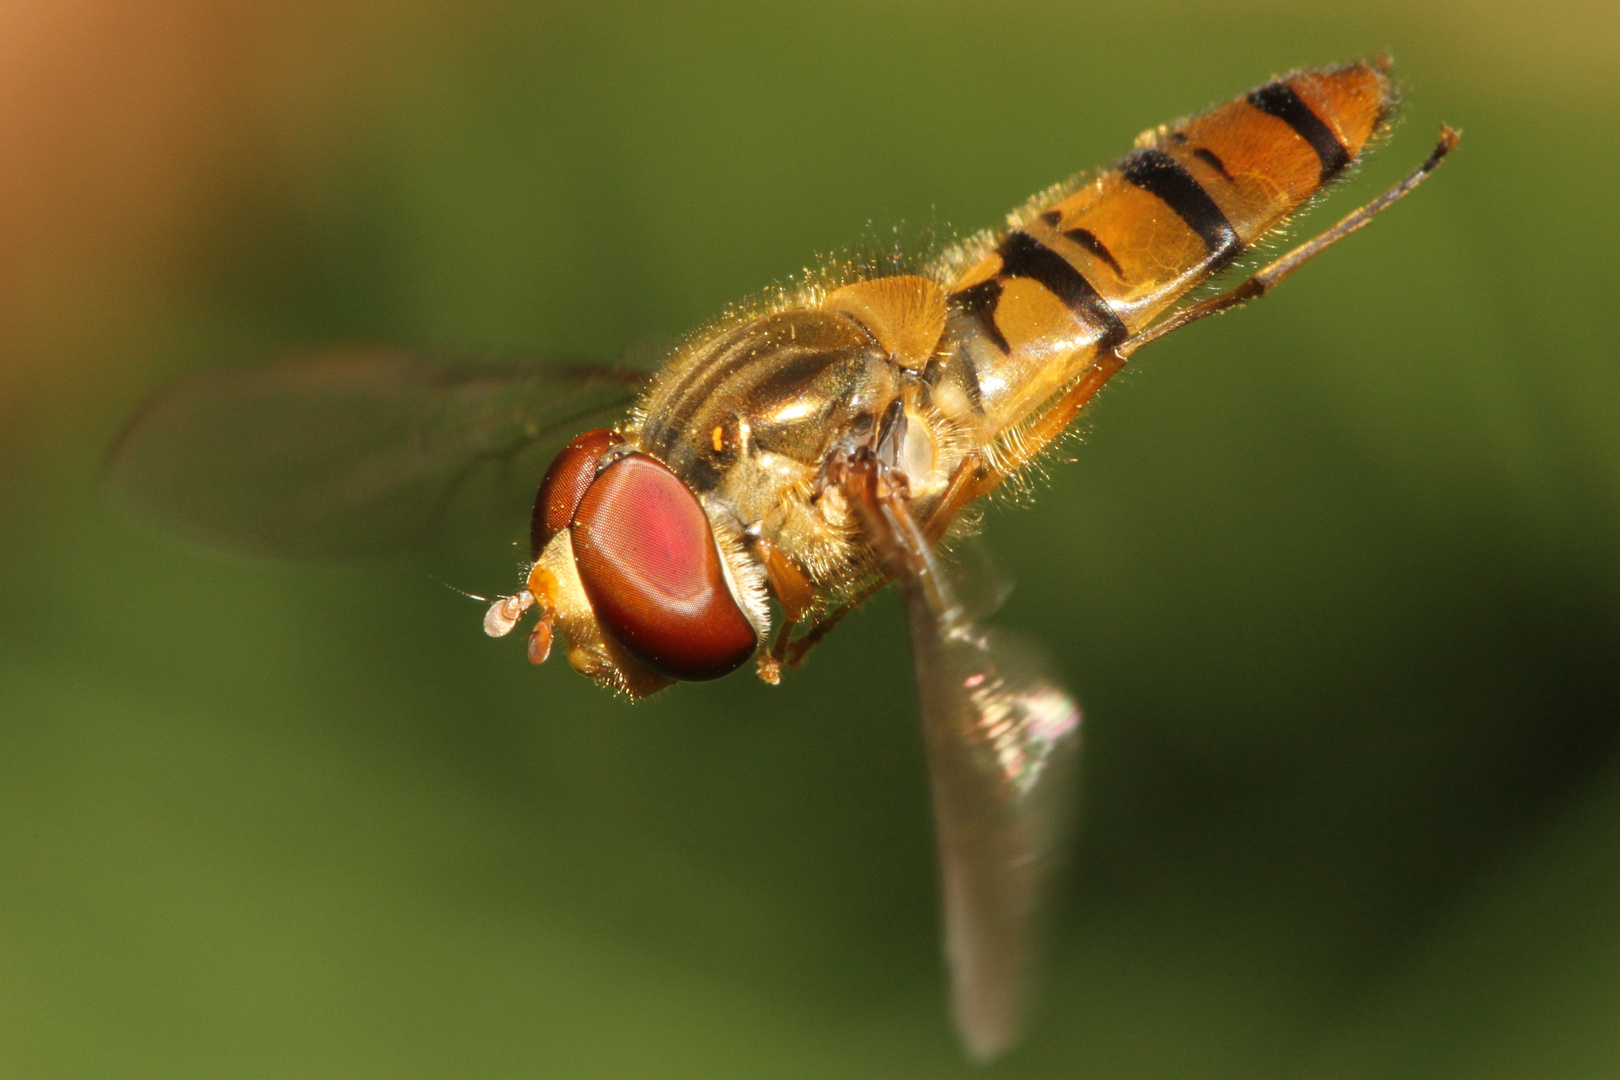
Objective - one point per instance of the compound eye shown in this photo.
(564, 485)
(652, 573)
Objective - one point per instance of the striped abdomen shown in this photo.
(1100, 264)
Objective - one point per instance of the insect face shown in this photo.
(627, 562)
(648, 561)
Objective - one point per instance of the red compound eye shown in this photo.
(651, 571)
(570, 474)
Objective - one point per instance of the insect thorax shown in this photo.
(749, 417)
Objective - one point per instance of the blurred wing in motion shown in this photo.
(342, 452)
(1002, 740)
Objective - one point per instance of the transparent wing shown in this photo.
(1002, 740)
(341, 452)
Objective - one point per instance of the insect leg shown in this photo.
(796, 652)
(792, 591)
(1034, 439)
(1264, 279)
(958, 493)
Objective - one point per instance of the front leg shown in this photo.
(795, 652)
(867, 476)
(878, 494)
(874, 445)
(794, 593)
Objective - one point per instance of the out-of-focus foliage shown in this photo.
(1337, 577)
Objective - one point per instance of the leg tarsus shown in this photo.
(796, 652)
(1271, 275)
(1055, 420)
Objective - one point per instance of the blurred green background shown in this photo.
(1337, 577)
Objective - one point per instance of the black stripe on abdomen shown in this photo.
(1088, 240)
(980, 301)
(1024, 256)
(1276, 99)
(1210, 158)
(1161, 175)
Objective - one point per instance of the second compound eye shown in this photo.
(650, 568)
(564, 485)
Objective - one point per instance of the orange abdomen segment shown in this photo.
(1103, 262)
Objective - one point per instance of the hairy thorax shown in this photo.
(750, 415)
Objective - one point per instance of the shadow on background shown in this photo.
(1337, 577)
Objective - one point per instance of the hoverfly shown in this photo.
(798, 454)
